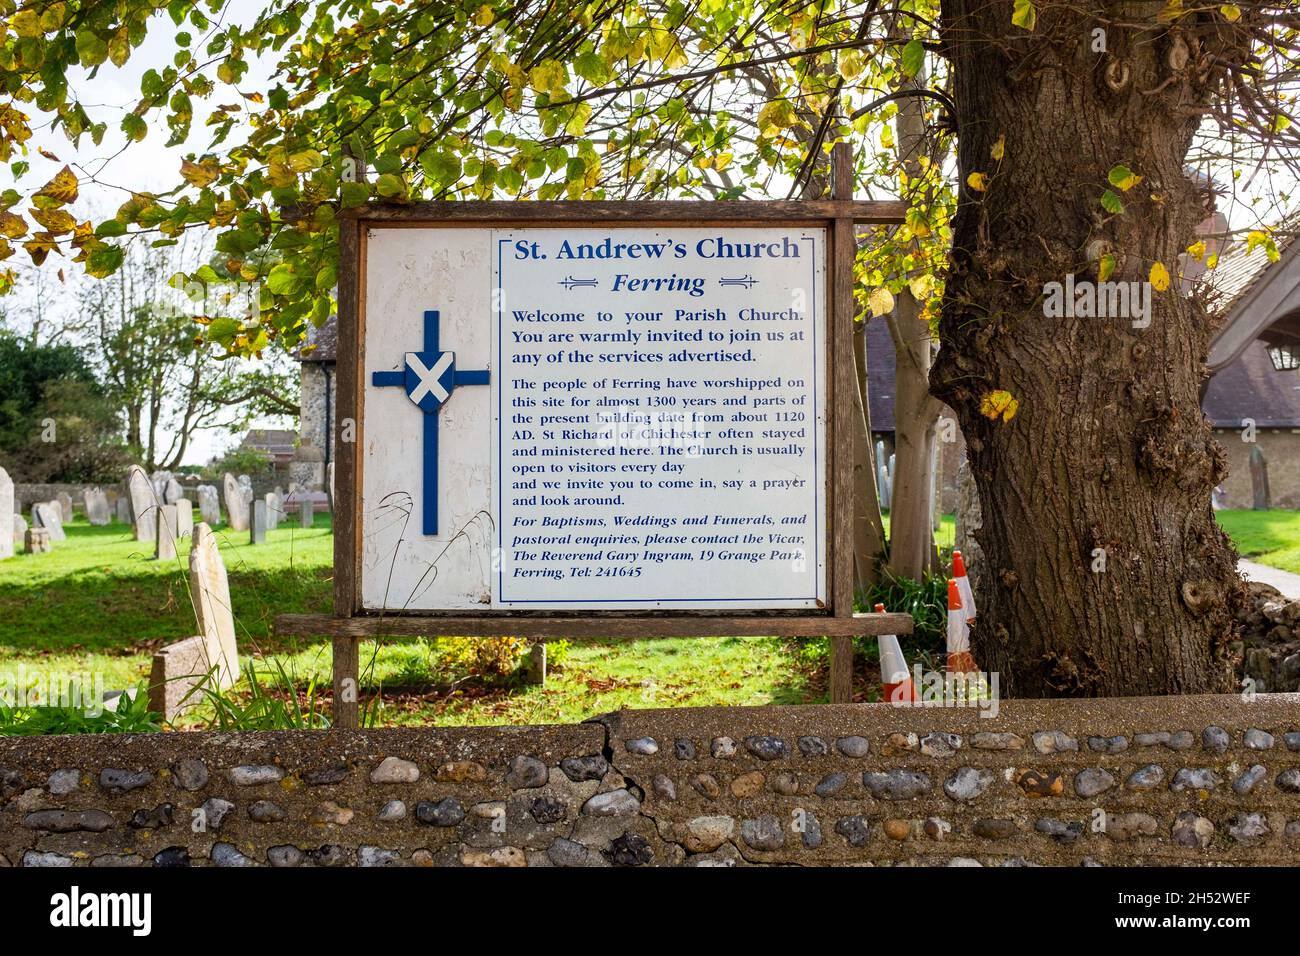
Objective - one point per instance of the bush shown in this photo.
(487, 657)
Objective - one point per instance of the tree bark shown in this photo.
(1106, 572)
(868, 525)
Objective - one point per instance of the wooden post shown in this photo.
(347, 691)
(843, 435)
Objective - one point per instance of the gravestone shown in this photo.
(123, 509)
(209, 505)
(184, 519)
(257, 523)
(165, 546)
(48, 515)
(65, 506)
(273, 508)
(37, 541)
(177, 670)
(1259, 480)
(19, 531)
(236, 503)
(210, 591)
(172, 492)
(969, 520)
(305, 512)
(329, 484)
(97, 510)
(143, 501)
(6, 515)
(883, 482)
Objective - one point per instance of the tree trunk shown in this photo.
(916, 412)
(1106, 572)
(868, 526)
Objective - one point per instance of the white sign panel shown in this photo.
(603, 418)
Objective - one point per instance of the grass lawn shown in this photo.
(100, 604)
(99, 601)
(1268, 537)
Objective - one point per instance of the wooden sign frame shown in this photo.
(351, 623)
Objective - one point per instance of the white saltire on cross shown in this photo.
(430, 376)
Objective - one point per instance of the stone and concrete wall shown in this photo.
(1281, 448)
(1193, 780)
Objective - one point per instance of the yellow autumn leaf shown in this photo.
(881, 301)
(62, 188)
(922, 287)
(484, 16)
(978, 182)
(12, 225)
(1231, 12)
(199, 174)
(1105, 267)
(39, 246)
(999, 403)
(56, 221)
(1159, 277)
(999, 149)
(1197, 250)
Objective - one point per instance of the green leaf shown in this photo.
(282, 280)
(1111, 202)
(1023, 14)
(913, 57)
(390, 185)
(1123, 178)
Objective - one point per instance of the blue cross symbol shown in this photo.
(429, 379)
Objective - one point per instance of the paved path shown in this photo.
(1284, 581)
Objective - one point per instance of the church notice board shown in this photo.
(615, 412)
(619, 418)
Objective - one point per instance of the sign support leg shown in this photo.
(841, 670)
(347, 687)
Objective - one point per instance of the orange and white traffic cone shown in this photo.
(963, 585)
(895, 678)
(960, 660)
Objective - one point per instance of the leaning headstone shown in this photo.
(184, 519)
(65, 506)
(6, 515)
(209, 505)
(305, 518)
(143, 504)
(273, 508)
(37, 540)
(97, 511)
(178, 670)
(165, 549)
(1259, 479)
(257, 523)
(48, 515)
(172, 492)
(210, 592)
(236, 503)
